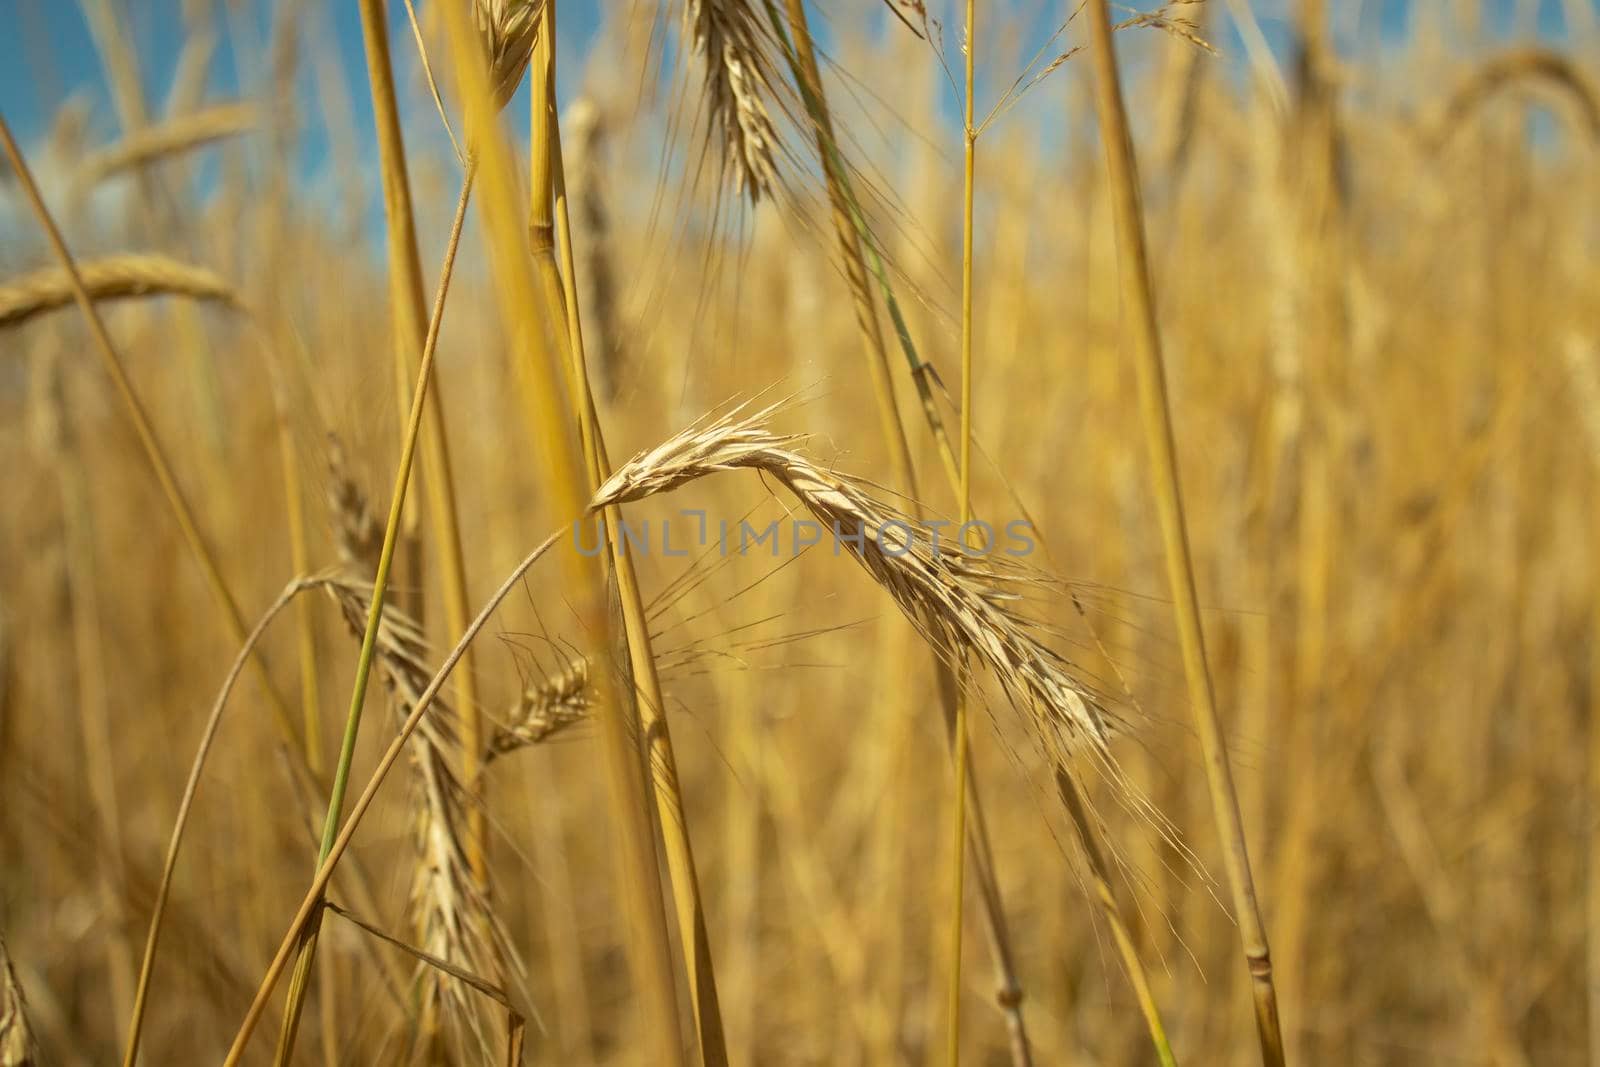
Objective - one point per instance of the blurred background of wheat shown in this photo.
(1374, 253)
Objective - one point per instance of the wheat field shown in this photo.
(755, 532)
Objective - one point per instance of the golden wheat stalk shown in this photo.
(115, 277)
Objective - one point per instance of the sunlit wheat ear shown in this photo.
(964, 604)
(727, 37)
(545, 709)
(508, 29)
(17, 1045)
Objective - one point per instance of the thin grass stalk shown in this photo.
(540, 375)
(851, 233)
(438, 476)
(650, 709)
(1139, 309)
(208, 735)
(958, 853)
(380, 585)
(311, 904)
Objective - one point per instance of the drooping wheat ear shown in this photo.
(545, 709)
(357, 534)
(509, 29)
(111, 278)
(172, 137)
(728, 39)
(964, 604)
(453, 918)
(17, 1045)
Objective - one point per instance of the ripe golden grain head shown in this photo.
(509, 29)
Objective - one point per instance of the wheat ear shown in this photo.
(961, 603)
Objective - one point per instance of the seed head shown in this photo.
(509, 29)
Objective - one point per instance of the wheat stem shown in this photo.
(649, 704)
(380, 585)
(1139, 309)
(438, 482)
(958, 854)
(540, 375)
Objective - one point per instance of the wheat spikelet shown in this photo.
(172, 137)
(357, 533)
(963, 604)
(508, 29)
(452, 916)
(727, 38)
(545, 709)
(17, 1045)
(114, 277)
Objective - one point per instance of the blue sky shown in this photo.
(46, 51)
(47, 54)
